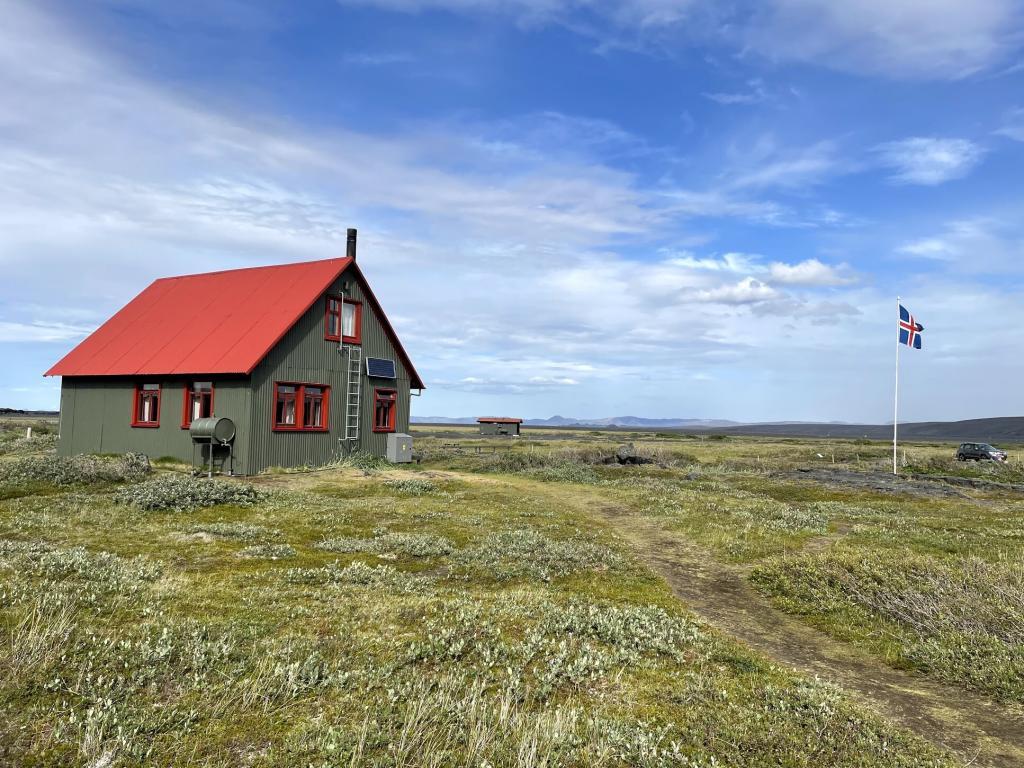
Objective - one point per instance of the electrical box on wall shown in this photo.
(399, 448)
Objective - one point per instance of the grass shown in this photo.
(475, 611)
(914, 580)
(959, 620)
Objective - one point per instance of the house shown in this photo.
(301, 357)
(499, 425)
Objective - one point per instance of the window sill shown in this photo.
(301, 429)
(357, 340)
(384, 431)
(146, 425)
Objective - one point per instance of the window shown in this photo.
(198, 402)
(343, 320)
(352, 322)
(332, 320)
(313, 407)
(385, 405)
(284, 409)
(146, 406)
(300, 407)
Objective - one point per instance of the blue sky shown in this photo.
(649, 207)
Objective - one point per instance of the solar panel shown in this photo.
(380, 368)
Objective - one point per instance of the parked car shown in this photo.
(979, 452)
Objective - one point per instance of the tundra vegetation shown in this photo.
(485, 609)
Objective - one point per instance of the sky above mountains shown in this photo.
(662, 207)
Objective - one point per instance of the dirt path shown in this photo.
(982, 732)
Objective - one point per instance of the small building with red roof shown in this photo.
(301, 357)
(499, 425)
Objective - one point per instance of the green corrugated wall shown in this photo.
(96, 417)
(303, 355)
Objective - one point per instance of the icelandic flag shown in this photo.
(910, 329)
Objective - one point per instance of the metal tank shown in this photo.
(217, 429)
(211, 434)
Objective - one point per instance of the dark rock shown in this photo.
(625, 452)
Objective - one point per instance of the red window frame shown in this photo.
(186, 408)
(389, 396)
(298, 397)
(334, 310)
(156, 395)
(307, 400)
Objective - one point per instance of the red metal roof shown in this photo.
(217, 322)
(498, 420)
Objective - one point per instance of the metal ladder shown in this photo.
(353, 390)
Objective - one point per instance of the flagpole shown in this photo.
(896, 394)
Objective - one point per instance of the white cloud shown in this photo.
(721, 203)
(767, 165)
(810, 272)
(749, 290)
(929, 161)
(893, 38)
(1013, 126)
(728, 262)
(986, 244)
(756, 94)
(17, 332)
(628, 13)
(822, 312)
(929, 248)
(898, 38)
(378, 58)
(564, 381)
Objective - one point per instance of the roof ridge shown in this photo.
(250, 269)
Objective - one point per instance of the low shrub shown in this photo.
(577, 464)
(565, 472)
(528, 553)
(961, 620)
(547, 646)
(412, 486)
(104, 571)
(557, 466)
(633, 630)
(75, 470)
(365, 461)
(11, 445)
(413, 544)
(996, 471)
(355, 574)
(246, 532)
(183, 493)
(767, 513)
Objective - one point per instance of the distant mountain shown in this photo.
(1005, 429)
(443, 419)
(630, 421)
(994, 430)
(607, 421)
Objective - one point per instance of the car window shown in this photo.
(986, 447)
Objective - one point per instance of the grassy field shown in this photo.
(494, 608)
